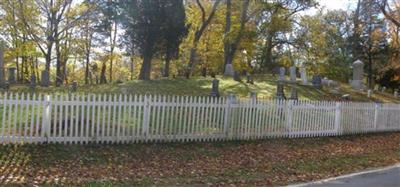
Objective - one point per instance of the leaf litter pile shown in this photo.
(256, 163)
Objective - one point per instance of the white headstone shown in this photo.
(358, 75)
(303, 74)
(282, 72)
(292, 71)
(369, 93)
(396, 94)
(229, 70)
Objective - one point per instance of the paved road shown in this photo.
(385, 177)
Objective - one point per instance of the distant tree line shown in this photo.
(103, 41)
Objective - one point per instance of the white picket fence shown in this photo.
(140, 118)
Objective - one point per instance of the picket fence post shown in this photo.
(46, 123)
(338, 117)
(376, 113)
(289, 117)
(146, 117)
(227, 119)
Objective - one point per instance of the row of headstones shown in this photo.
(317, 81)
(377, 88)
(280, 93)
(32, 84)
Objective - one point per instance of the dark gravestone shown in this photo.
(293, 94)
(74, 86)
(215, 88)
(45, 78)
(250, 78)
(280, 92)
(6, 85)
(204, 71)
(32, 83)
(253, 97)
(317, 81)
(11, 75)
(236, 76)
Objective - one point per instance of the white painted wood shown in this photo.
(123, 118)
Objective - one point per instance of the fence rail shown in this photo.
(146, 118)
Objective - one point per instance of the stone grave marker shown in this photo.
(317, 81)
(292, 71)
(293, 94)
(358, 75)
(280, 91)
(303, 75)
(45, 78)
(282, 72)
(215, 88)
(11, 75)
(74, 86)
(32, 83)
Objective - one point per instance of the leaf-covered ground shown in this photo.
(256, 163)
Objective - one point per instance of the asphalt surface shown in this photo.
(385, 177)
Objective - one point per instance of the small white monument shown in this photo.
(282, 72)
(303, 74)
(229, 70)
(292, 71)
(358, 75)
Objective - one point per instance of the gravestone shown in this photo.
(253, 96)
(250, 78)
(358, 75)
(11, 75)
(317, 81)
(303, 75)
(74, 86)
(6, 85)
(232, 98)
(396, 93)
(292, 71)
(32, 83)
(376, 87)
(229, 70)
(280, 91)
(215, 88)
(2, 78)
(236, 76)
(45, 78)
(293, 94)
(369, 93)
(282, 72)
(204, 71)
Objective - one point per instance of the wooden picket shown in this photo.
(104, 118)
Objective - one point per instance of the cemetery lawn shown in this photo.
(251, 163)
(264, 86)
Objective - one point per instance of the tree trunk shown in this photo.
(87, 68)
(19, 71)
(227, 49)
(193, 53)
(268, 52)
(167, 62)
(369, 71)
(58, 64)
(132, 67)
(103, 79)
(145, 70)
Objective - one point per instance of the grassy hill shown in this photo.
(264, 86)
